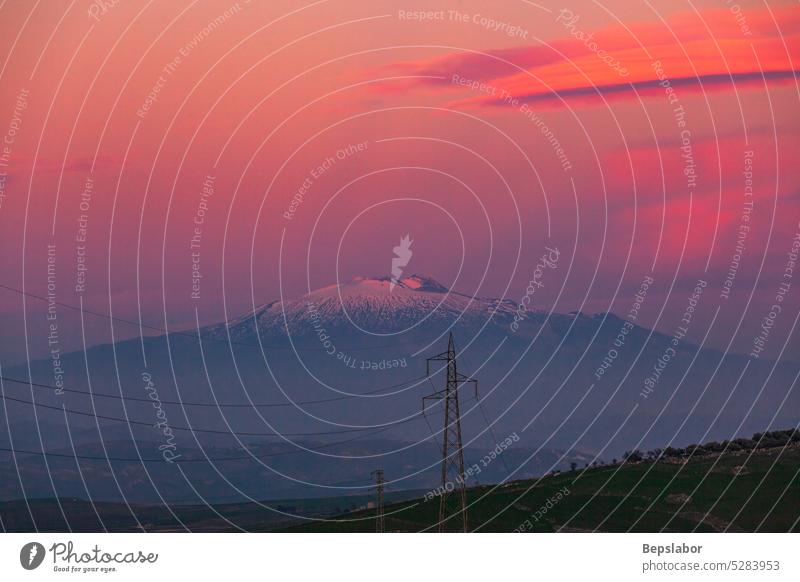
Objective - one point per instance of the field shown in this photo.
(728, 492)
(737, 492)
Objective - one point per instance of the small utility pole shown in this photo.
(453, 491)
(379, 481)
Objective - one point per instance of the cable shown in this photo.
(488, 425)
(184, 333)
(430, 428)
(494, 437)
(186, 428)
(204, 459)
(208, 404)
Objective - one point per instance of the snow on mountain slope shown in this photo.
(372, 305)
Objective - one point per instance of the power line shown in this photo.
(192, 335)
(204, 459)
(494, 437)
(208, 404)
(489, 426)
(186, 428)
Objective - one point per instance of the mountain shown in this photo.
(375, 306)
(346, 364)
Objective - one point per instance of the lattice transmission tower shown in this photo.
(379, 485)
(453, 490)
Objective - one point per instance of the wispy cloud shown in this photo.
(697, 51)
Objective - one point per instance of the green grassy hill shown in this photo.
(734, 491)
(752, 486)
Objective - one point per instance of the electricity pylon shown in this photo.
(379, 481)
(453, 491)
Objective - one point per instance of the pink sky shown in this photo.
(263, 97)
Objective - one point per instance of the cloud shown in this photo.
(643, 88)
(695, 51)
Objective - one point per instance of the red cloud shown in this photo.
(695, 50)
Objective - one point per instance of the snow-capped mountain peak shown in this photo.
(372, 304)
(381, 286)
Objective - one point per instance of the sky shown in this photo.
(181, 162)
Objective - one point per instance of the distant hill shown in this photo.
(748, 490)
(752, 488)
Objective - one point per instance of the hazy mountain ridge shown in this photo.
(547, 391)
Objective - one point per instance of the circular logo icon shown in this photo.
(31, 555)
